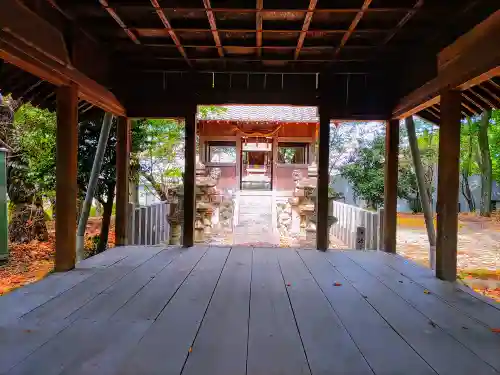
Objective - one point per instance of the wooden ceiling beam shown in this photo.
(495, 96)
(249, 58)
(40, 49)
(164, 32)
(213, 27)
(473, 55)
(172, 33)
(468, 98)
(403, 21)
(470, 111)
(276, 47)
(305, 27)
(119, 21)
(259, 26)
(485, 100)
(352, 27)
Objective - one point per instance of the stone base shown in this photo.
(310, 235)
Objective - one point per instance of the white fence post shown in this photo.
(349, 218)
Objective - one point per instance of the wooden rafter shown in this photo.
(162, 32)
(403, 21)
(172, 33)
(481, 97)
(258, 26)
(213, 27)
(433, 110)
(494, 83)
(71, 18)
(305, 27)
(474, 54)
(478, 105)
(491, 93)
(470, 111)
(119, 21)
(354, 23)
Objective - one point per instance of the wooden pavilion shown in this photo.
(148, 310)
(357, 60)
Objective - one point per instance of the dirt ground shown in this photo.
(478, 252)
(31, 262)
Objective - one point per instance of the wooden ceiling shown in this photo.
(344, 36)
(376, 50)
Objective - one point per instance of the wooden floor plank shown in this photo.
(328, 346)
(150, 301)
(440, 350)
(274, 345)
(68, 302)
(85, 343)
(474, 335)
(367, 328)
(112, 299)
(450, 292)
(220, 348)
(165, 346)
(25, 299)
(20, 339)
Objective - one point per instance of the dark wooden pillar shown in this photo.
(448, 185)
(391, 185)
(322, 237)
(122, 180)
(66, 168)
(189, 177)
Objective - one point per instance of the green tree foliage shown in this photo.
(158, 151)
(30, 134)
(365, 171)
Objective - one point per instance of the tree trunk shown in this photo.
(134, 193)
(106, 220)
(53, 207)
(27, 223)
(485, 164)
(466, 192)
(157, 186)
(466, 171)
(422, 188)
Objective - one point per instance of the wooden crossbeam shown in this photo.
(213, 27)
(470, 60)
(305, 27)
(119, 21)
(403, 21)
(172, 33)
(258, 26)
(24, 51)
(354, 23)
(144, 31)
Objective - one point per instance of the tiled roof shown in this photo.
(266, 113)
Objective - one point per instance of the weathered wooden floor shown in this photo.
(247, 311)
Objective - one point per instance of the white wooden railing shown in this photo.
(357, 228)
(148, 225)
